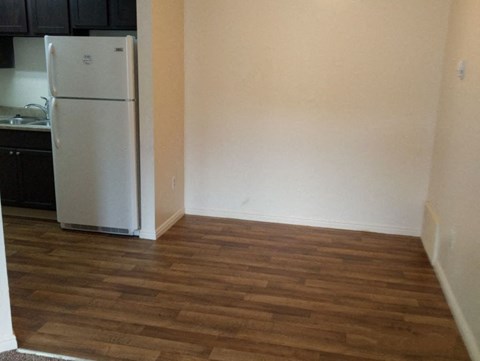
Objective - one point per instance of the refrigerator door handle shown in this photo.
(50, 53)
(53, 122)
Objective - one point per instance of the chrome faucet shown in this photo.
(44, 108)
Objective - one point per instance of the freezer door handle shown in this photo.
(54, 122)
(50, 53)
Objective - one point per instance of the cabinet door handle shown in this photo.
(17, 153)
(11, 152)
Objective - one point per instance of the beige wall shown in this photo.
(312, 112)
(27, 82)
(455, 179)
(161, 84)
(168, 97)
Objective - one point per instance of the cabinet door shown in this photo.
(48, 16)
(89, 14)
(7, 56)
(123, 14)
(13, 16)
(9, 190)
(36, 178)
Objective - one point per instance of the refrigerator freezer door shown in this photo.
(95, 163)
(91, 67)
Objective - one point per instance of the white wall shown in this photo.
(161, 85)
(145, 101)
(7, 338)
(312, 112)
(27, 82)
(455, 179)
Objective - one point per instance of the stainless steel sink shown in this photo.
(20, 120)
(43, 122)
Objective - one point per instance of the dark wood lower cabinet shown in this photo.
(36, 178)
(26, 178)
(9, 190)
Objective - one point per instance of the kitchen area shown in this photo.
(30, 155)
(78, 119)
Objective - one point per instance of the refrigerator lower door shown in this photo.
(95, 164)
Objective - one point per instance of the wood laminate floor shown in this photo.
(227, 290)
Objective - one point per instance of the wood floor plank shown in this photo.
(227, 290)
(122, 338)
(90, 349)
(222, 354)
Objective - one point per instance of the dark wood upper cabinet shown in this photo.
(13, 17)
(48, 17)
(89, 14)
(65, 17)
(103, 14)
(123, 14)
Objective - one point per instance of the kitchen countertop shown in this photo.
(7, 112)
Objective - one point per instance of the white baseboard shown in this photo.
(313, 222)
(169, 222)
(49, 355)
(150, 235)
(462, 324)
(153, 235)
(8, 344)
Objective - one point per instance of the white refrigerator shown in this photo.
(93, 114)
